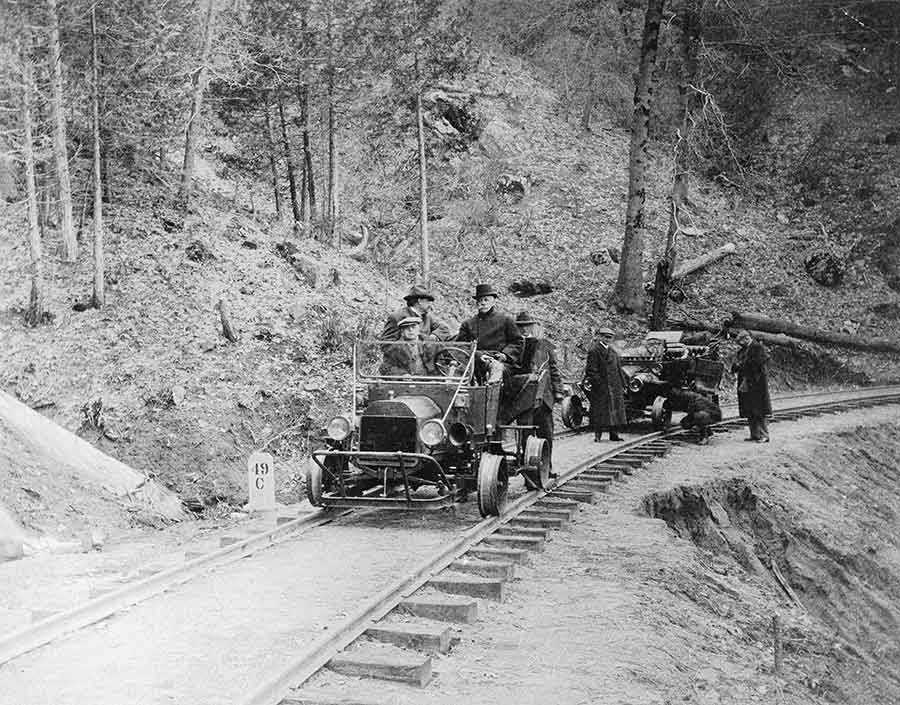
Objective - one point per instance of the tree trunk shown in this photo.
(629, 290)
(35, 313)
(774, 325)
(193, 123)
(332, 176)
(690, 36)
(99, 283)
(59, 138)
(272, 165)
(424, 267)
(292, 177)
(589, 101)
(307, 155)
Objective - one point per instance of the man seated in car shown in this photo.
(499, 340)
(408, 356)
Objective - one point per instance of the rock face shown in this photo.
(888, 255)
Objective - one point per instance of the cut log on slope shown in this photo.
(702, 261)
(774, 325)
(779, 339)
(91, 465)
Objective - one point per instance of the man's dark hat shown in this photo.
(523, 318)
(417, 291)
(484, 290)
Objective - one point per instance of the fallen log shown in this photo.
(773, 325)
(780, 339)
(692, 265)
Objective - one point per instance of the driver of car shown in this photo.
(499, 341)
(408, 356)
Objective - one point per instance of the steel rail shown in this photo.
(304, 665)
(103, 606)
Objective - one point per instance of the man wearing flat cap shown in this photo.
(418, 303)
(539, 358)
(498, 338)
(604, 373)
(407, 356)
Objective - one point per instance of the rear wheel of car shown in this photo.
(661, 413)
(493, 484)
(537, 462)
(572, 411)
(314, 484)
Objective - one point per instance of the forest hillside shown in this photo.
(260, 192)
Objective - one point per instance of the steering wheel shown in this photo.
(450, 357)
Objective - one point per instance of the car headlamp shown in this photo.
(432, 433)
(338, 428)
(635, 384)
(459, 434)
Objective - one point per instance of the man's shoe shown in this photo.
(762, 440)
(615, 438)
(751, 439)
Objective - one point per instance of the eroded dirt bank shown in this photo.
(666, 590)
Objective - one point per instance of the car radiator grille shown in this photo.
(387, 434)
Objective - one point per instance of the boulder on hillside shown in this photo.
(825, 267)
(888, 255)
(309, 269)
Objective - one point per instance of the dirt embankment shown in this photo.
(819, 544)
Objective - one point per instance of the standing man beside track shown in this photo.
(604, 372)
(754, 403)
(539, 356)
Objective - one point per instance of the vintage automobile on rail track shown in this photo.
(425, 440)
(663, 362)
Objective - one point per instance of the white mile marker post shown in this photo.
(261, 482)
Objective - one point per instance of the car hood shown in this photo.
(404, 407)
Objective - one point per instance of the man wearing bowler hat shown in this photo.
(418, 304)
(499, 341)
(604, 373)
(539, 358)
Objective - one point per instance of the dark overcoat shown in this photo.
(540, 355)
(403, 358)
(431, 328)
(752, 381)
(497, 331)
(604, 373)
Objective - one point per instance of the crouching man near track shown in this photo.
(701, 412)
(498, 339)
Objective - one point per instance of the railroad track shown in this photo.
(480, 563)
(445, 586)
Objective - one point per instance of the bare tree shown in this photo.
(288, 157)
(270, 140)
(35, 313)
(59, 137)
(193, 123)
(628, 294)
(99, 297)
(424, 267)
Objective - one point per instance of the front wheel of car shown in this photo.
(314, 484)
(661, 413)
(493, 484)
(537, 462)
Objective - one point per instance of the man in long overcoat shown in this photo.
(539, 359)
(418, 303)
(754, 403)
(499, 341)
(607, 394)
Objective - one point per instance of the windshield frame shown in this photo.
(361, 376)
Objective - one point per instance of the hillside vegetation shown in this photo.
(519, 191)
